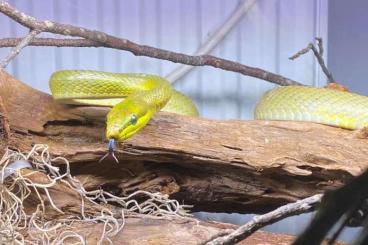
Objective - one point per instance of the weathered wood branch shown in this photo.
(141, 230)
(137, 229)
(223, 166)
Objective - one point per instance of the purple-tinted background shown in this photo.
(265, 37)
(348, 43)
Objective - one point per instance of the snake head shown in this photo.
(127, 118)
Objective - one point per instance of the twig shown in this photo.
(301, 52)
(320, 46)
(140, 50)
(15, 51)
(57, 42)
(214, 39)
(299, 207)
(319, 55)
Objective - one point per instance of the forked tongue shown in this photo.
(110, 152)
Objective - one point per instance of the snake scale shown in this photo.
(321, 105)
(135, 98)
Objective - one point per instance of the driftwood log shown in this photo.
(217, 166)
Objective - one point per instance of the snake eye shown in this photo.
(133, 119)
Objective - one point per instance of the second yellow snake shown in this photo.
(320, 105)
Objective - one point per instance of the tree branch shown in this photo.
(57, 42)
(19, 46)
(319, 55)
(296, 208)
(107, 40)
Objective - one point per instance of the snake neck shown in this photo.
(155, 93)
(134, 98)
(126, 118)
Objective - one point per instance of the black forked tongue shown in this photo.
(111, 146)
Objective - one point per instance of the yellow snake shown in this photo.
(320, 105)
(134, 98)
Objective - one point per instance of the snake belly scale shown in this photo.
(134, 98)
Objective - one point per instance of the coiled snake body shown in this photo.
(135, 98)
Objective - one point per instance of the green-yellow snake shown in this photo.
(135, 98)
(320, 105)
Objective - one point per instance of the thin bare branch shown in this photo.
(57, 42)
(320, 45)
(107, 40)
(299, 207)
(319, 55)
(301, 52)
(16, 50)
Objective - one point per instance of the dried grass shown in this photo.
(19, 227)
